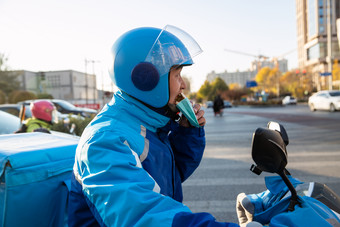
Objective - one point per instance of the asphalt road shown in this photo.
(313, 155)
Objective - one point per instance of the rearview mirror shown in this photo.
(269, 150)
(270, 155)
(278, 127)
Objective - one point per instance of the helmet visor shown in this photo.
(54, 114)
(173, 46)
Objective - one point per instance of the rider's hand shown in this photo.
(245, 209)
(199, 115)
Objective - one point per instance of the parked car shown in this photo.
(9, 123)
(325, 100)
(66, 107)
(15, 109)
(209, 104)
(289, 100)
(227, 104)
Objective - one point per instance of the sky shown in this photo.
(48, 35)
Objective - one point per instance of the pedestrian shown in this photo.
(44, 115)
(133, 157)
(218, 105)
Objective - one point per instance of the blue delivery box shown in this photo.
(35, 171)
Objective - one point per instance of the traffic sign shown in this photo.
(326, 74)
(251, 83)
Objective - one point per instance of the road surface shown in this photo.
(313, 155)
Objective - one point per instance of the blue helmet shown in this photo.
(142, 59)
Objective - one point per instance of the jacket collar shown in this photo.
(137, 110)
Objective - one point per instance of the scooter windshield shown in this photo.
(173, 46)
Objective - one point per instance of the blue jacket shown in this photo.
(130, 163)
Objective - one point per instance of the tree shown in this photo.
(261, 77)
(204, 91)
(236, 94)
(296, 84)
(18, 96)
(44, 96)
(234, 86)
(2, 97)
(336, 71)
(8, 79)
(268, 79)
(289, 82)
(219, 86)
(274, 81)
(208, 90)
(3, 60)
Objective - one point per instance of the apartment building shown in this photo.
(241, 77)
(317, 39)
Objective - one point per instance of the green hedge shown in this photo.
(66, 125)
(259, 103)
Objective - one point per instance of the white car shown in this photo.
(325, 100)
(289, 100)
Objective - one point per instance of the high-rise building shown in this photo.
(314, 44)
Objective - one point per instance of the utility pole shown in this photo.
(86, 79)
(103, 93)
(95, 87)
(86, 83)
(329, 43)
(278, 84)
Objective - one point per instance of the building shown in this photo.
(75, 87)
(241, 78)
(338, 28)
(282, 64)
(237, 77)
(314, 44)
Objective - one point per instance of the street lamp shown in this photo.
(329, 44)
(86, 79)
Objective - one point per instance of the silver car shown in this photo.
(8, 123)
(325, 100)
(289, 100)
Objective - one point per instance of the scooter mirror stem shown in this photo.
(255, 169)
(294, 199)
